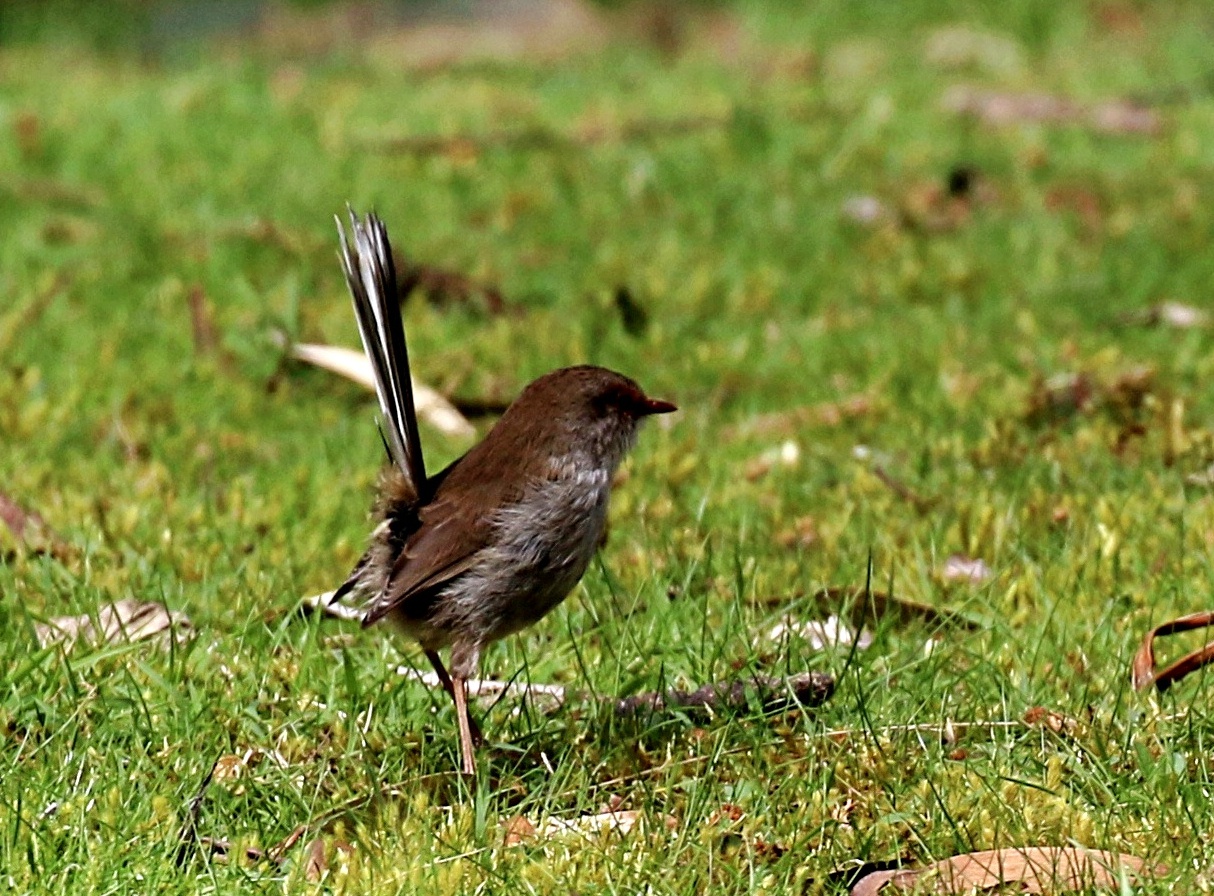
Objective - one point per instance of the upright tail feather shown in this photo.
(371, 276)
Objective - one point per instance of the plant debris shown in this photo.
(353, 365)
(1000, 109)
(821, 633)
(124, 620)
(864, 608)
(772, 693)
(1032, 869)
(519, 830)
(1143, 671)
(959, 568)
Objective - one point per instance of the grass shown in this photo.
(228, 485)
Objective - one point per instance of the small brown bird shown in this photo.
(493, 542)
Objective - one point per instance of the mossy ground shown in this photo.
(229, 485)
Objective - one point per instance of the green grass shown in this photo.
(229, 485)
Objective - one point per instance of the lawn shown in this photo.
(898, 334)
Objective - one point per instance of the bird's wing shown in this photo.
(371, 277)
(445, 545)
(454, 528)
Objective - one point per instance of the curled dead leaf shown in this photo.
(317, 863)
(125, 620)
(1143, 674)
(1033, 869)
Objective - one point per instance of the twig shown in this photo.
(546, 138)
(771, 693)
(188, 837)
(921, 503)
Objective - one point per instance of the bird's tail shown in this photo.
(371, 276)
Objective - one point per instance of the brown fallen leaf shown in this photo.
(124, 620)
(317, 863)
(1000, 109)
(353, 365)
(1041, 717)
(1143, 673)
(518, 830)
(1033, 869)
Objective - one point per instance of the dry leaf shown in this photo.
(353, 365)
(518, 831)
(1033, 869)
(958, 568)
(317, 864)
(1039, 716)
(821, 633)
(1143, 672)
(999, 108)
(126, 620)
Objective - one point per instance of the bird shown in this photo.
(498, 538)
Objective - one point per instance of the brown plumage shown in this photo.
(501, 536)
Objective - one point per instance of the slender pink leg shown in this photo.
(445, 680)
(459, 692)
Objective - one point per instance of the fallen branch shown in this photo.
(773, 694)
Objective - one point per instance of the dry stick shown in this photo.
(545, 138)
(772, 693)
(188, 837)
(921, 503)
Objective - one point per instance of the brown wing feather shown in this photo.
(454, 528)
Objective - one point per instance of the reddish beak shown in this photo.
(655, 406)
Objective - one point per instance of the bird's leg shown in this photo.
(459, 692)
(445, 680)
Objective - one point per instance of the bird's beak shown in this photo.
(655, 406)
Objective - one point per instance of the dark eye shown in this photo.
(614, 399)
